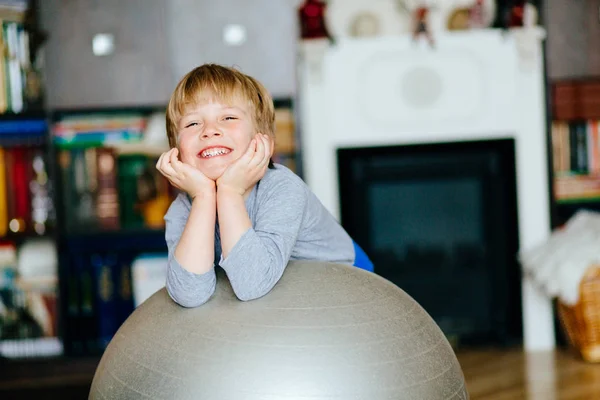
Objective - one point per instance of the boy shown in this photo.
(237, 209)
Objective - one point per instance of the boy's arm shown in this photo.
(196, 248)
(189, 232)
(233, 219)
(189, 235)
(255, 258)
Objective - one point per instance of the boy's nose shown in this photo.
(208, 133)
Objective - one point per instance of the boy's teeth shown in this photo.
(215, 151)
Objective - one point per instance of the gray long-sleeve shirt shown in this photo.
(288, 222)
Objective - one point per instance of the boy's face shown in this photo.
(213, 135)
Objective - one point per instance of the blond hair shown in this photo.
(222, 84)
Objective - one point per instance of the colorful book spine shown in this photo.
(107, 196)
(3, 196)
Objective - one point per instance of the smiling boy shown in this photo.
(236, 208)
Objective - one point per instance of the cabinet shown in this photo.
(156, 42)
(573, 45)
(136, 73)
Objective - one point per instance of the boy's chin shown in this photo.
(213, 173)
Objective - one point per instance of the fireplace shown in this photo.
(439, 221)
(388, 95)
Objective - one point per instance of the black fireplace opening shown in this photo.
(440, 221)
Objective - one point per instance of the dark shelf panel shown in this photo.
(60, 113)
(18, 236)
(579, 203)
(48, 378)
(10, 116)
(283, 102)
(23, 130)
(125, 232)
(564, 211)
(124, 239)
(17, 141)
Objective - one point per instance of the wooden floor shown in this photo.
(490, 375)
(514, 375)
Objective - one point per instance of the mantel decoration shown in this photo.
(478, 14)
(420, 20)
(312, 20)
(322, 22)
(363, 18)
(314, 34)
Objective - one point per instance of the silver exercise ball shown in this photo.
(325, 331)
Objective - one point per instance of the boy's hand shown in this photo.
(249, 168)
(183, 176)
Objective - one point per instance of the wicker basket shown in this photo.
(581, 322)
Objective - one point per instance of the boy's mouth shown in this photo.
(216, 151)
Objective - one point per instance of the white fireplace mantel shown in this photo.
(473, 85)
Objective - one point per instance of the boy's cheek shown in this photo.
(185, 157)
(184, 150)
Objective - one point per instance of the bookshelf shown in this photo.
(110, 206)
(575, 143)
(28, 265)
(100, 224)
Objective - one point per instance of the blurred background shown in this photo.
(445, 136)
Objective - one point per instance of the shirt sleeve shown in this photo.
(257, 261)
(184, 287)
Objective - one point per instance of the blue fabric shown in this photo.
(361, 260)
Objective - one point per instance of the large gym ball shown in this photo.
(325, 331)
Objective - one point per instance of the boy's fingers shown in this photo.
(268, 147)
(166, 156)
(166, 165)
(169, 171)
(159, 162)
(260, 151)
(164, 162)
(251, 150)
(183, 167)
(263, 155)
(173, 156)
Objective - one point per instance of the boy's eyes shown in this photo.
(227, 118)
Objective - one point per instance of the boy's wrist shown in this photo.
(223, 190)
(205, 194)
